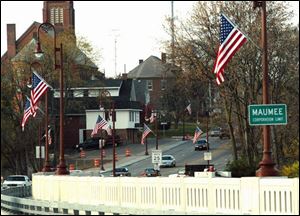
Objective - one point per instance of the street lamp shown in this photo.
(106, 94)
(267, 166)
(156, 127)
(61, 168)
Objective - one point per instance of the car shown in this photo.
(16, 181)
(123, 171)
(224, 133)
(201, 144)
(215, 132)
(168, 161)
(76, 172)
(151, 172)
(93, 143)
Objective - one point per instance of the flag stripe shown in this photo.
(27, 113)
(146, 131)
(101, 123)
(197, 134)
(39, 87)
(231, 39)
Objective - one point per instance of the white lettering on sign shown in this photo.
(267, 111)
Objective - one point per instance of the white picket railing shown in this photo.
(188, 195)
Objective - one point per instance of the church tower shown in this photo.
(60, 14)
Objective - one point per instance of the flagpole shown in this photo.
(241, 31)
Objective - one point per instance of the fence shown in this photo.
(159, 195)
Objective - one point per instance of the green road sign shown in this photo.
(267, 114)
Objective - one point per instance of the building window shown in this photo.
(78, 93)
(131, 116)
(163, 84)
(93, 93)
(56, 15)
(150, 85)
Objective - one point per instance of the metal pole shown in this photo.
(102, 168)
(156, 128)
(113, 138)
(146, 146)
(266, 165)
(61, 168)
(183, 129)
(207, 116)
(46, 167)
(39, 141)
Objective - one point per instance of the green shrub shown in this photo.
(240, 168)
(290, 170)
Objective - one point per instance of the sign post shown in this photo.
(267, 114)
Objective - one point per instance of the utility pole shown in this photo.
(116, 34)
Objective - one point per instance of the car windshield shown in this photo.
(15, 178)
(121, 170)
(201, 142)
(166, 158)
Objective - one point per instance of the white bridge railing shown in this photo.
(166, 195)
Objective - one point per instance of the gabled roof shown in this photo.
(81, 59)
(152, 67)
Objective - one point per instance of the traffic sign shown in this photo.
(267, 114)
(156, 156)
(207, 155)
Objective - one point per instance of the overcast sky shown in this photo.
(136, 26)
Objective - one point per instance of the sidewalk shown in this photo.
(137, 153)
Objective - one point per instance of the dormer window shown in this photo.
(56, 16)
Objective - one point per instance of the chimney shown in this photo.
(163, 57)
(11, 40)
(141, 61)
(124, 76)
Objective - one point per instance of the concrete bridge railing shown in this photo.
(166, 195)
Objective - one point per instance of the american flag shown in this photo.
(231, 39)
(100, 123)
(27, 113)
(189, 109)
(146, 131)
(49, 137)
(152, 117)
(39, 87)
(197, 134)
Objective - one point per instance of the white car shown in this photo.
(168, 161)
(16, 181)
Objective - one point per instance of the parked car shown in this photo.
(123, 171)
(151, 172)
(224, 133)
(75, 172)
(168, 161)
(16, 181)
(215, 131)
(201, 144)
(93, 143)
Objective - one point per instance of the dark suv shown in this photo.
(123, 171)
(93, 143)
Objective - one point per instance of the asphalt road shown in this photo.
(184, 153)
